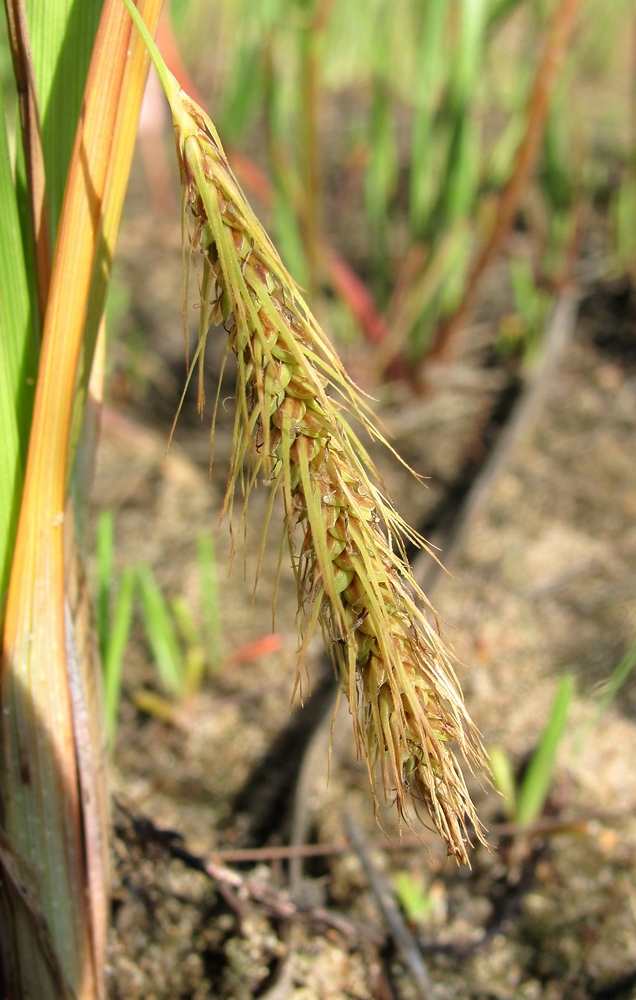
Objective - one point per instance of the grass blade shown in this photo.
(532, 794)
(105, 546)
(380, 179)
(160, 630)
(504, 779)
(615, 681)
(430, 77)
(608, 692)
(243, 93)
(116, 646)
(18, 362)
(194, 645)
(460, 174)
(554, 47)
(286, 200)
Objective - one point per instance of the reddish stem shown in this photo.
(554, 49)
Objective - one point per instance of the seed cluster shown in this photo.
(345, 538)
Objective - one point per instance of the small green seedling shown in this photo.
(414, 897)
(183, 644)
(615, 681)
(105, 547)
(117, 642)
(162, 636)
(608, 692)
(113, 625)
(192, 638)
(525, 802)
(522, 329)
(209, 597)
(504, 779)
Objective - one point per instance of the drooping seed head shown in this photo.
(346, 540)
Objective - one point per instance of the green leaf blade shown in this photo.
(18, 361)
(105, 548)
(161, 633)
(532, 794)
(117, 642)
(62, 36)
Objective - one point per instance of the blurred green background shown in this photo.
(387, 130)
(377, 138)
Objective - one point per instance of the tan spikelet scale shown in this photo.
(345, 537)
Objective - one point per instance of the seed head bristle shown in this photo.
(345, 538)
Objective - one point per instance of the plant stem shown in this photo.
(547, 71)
(168, 81)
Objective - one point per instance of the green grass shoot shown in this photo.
(195, 652)
(525, 801)
(105, 547)
(615, 681)
(161, 633)
(116, 635)
(607, 692)
(521, 332)
(182, 643)
(413, 896)
(533, 791)
(210, 603)
(504, 779)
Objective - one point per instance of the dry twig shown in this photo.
(388, 906)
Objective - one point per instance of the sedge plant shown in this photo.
(293, 401)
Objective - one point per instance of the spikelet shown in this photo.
(345, 537)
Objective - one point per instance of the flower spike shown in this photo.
(345, 538)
